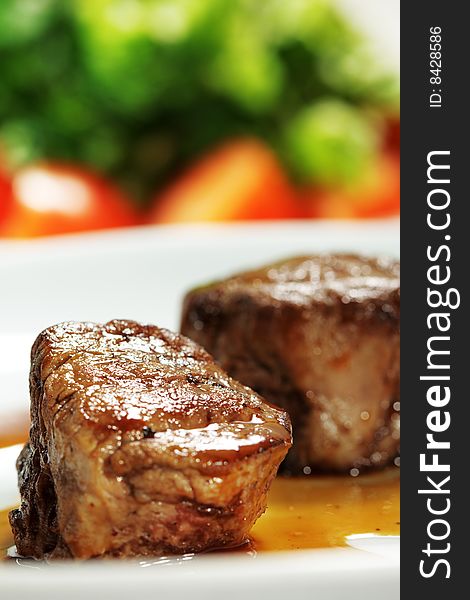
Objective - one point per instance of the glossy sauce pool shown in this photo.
(320, 511)
(316, 511)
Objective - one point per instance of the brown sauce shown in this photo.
(322, 511)
(6, 536)
(314, 512)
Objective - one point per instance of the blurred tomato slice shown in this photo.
(5, 194)
(49, 199)
(376, 195)
(392, 135)
(242, 180)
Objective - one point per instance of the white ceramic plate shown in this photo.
(142, 274)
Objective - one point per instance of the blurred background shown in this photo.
(122, 112)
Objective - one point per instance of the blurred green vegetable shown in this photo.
(138, 88)
(330, 142)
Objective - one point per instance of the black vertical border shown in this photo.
(424, 129)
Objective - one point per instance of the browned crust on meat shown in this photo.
(302, 333)
(140, 444)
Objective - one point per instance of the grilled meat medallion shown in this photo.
(319, 337)
(140, 445)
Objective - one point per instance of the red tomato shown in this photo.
(240, 180)
(392, 135)
(49, 199)
(377, 195)
(5, 194)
